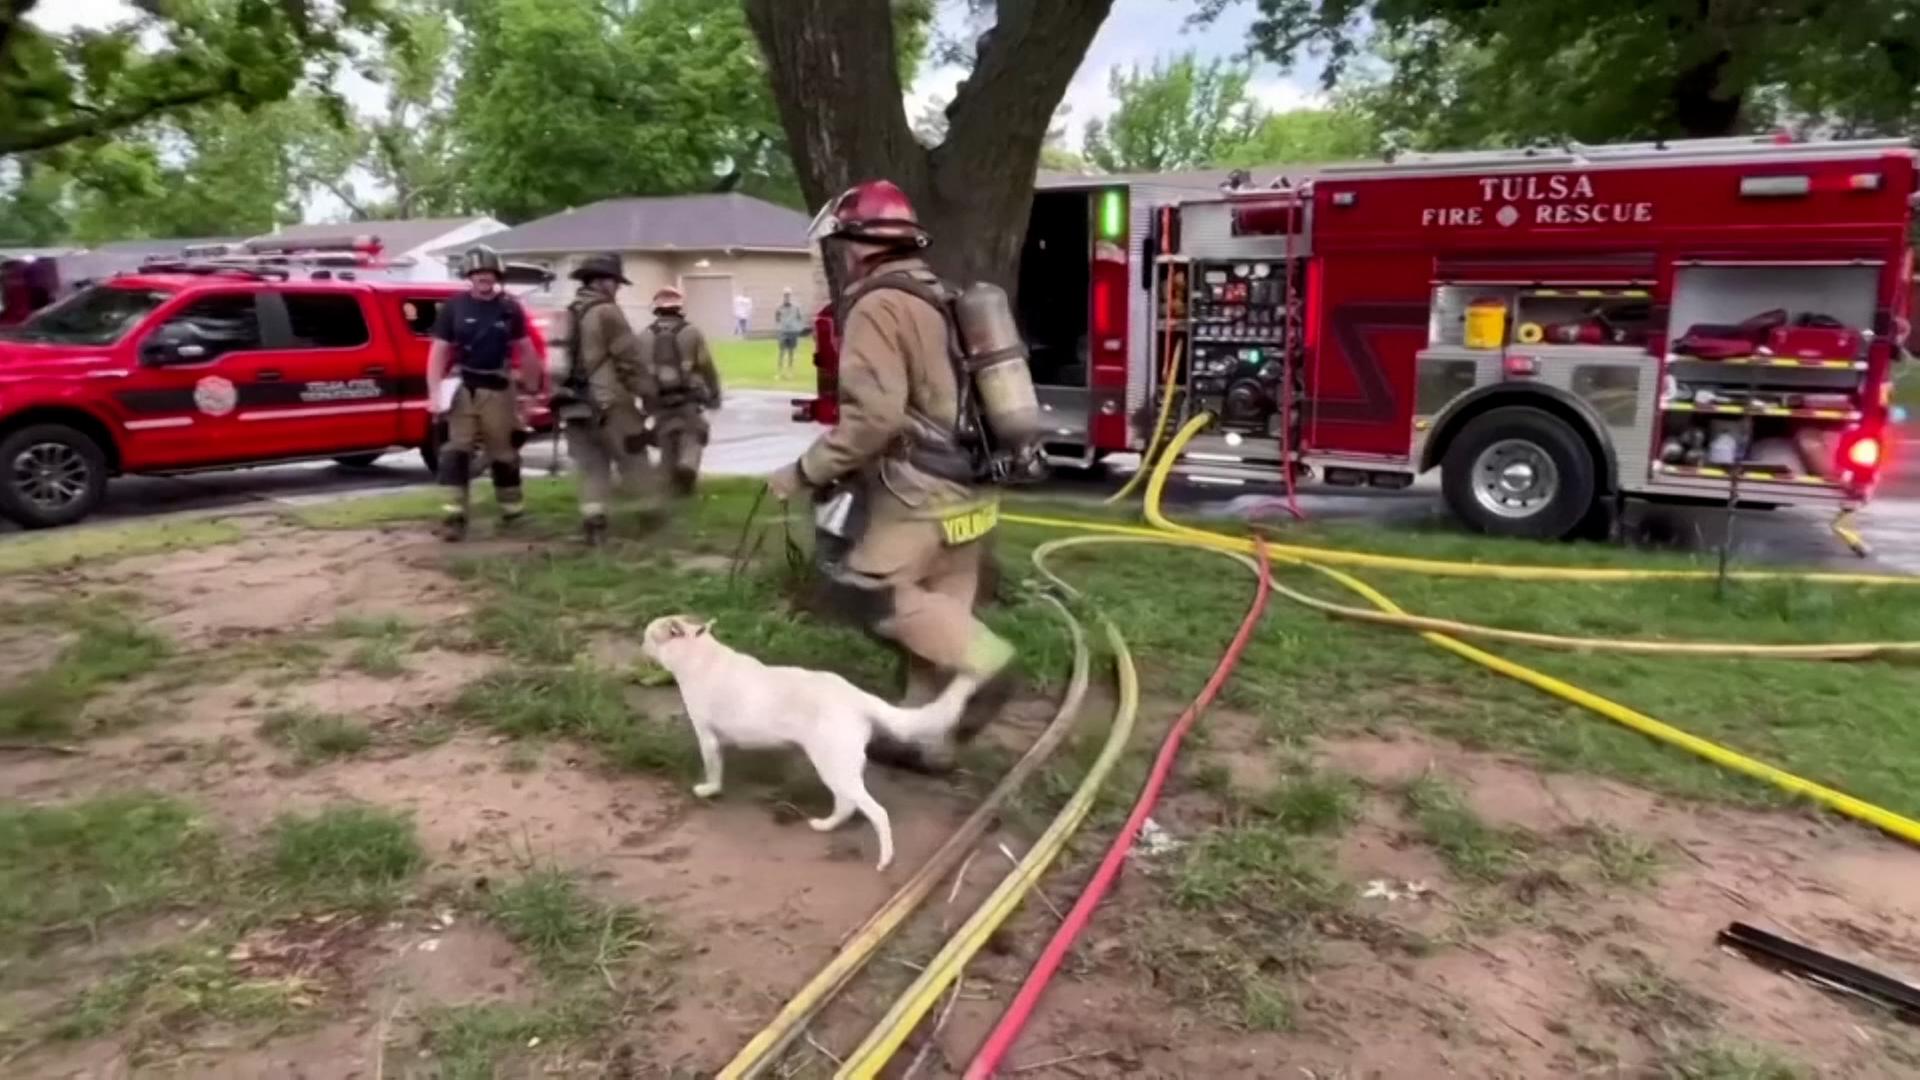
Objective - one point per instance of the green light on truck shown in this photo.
(1113, 214)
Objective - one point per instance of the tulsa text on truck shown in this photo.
(1554, 330)
(247, 355)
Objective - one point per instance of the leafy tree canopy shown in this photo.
(1474, 72)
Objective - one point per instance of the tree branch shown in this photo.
(108, 120)
(836, 81)
(1022, 70)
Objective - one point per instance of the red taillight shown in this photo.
(1103, 308)
(1864, 454)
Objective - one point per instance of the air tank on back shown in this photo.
(997, 361)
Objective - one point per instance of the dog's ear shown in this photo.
(703, 629)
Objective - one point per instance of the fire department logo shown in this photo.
(1506, 216)
(215, 396)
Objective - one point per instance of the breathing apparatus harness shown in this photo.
(676, 386)
(967, 452)
(576, 389)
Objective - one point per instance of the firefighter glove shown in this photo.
(786, 482)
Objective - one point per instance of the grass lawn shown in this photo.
(1225, 927)
(1906, 391)
(749, 365)
(1851, 726)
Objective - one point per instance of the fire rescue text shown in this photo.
(1557, 199)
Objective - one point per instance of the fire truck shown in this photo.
(1553, 330)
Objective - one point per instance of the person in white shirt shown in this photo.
(742, 311)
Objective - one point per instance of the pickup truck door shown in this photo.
(322, 384)
(178, 406)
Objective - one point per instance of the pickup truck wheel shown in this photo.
(50, 475)
(358, 461)
(1519, 471)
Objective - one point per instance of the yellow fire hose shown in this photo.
(887, 1036)
(1860, 810)
(1159, 426)
(893, 1030)
(766, 1047)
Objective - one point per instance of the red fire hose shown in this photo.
(1001, 1039)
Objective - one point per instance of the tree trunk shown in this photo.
(1700, 108)
(836, 80)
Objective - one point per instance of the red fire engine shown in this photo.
(1554, 330)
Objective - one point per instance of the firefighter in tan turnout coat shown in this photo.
(916, 520)
(599, 399)
(687, 385)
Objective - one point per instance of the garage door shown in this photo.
(710, 304)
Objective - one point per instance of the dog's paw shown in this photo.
(882, 865)
(820, 824)
(706, 791)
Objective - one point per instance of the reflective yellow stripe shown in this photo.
(970, 524)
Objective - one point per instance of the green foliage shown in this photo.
(568, 932)
(1181, 114)
(564, 102)
(108, 647)
(346, 854)
(81, 862)
(58, 89)
(1342, 133)
(1464, 72)
(220, 171)
(315, 736)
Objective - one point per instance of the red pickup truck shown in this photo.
(192, 368)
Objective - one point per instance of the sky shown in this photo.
(1137, 32)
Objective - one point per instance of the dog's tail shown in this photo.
(931, 720)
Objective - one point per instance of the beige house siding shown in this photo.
(762, 275)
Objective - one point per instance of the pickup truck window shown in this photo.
(222, 323)
(326, 321)
(95, 316)
(421, 312)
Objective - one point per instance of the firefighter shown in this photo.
(599, 399)
(688, 385)
(479, 340)
(896, 462)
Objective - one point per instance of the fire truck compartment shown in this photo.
(1055, 310)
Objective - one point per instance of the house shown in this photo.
(712, 246)
(429, 242)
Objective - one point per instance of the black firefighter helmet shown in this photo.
(605, 264)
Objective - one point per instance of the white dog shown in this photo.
(736, 700)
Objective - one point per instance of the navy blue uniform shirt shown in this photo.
(482, 332)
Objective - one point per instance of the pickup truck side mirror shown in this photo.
(175, 343)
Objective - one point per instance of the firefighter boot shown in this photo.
(453, 528)
(594, 530)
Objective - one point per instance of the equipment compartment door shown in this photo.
(1369, 318)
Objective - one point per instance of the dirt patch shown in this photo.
(1553, 972)
(1559, 967)
(283, 579)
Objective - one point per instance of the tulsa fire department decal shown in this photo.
(340, 390)
(1558, 199)
(215, 396)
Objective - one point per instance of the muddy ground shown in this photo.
(1540, 925)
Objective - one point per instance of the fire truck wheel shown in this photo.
(50, 474)
(1519, 471)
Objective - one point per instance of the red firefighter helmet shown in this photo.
(873, 211)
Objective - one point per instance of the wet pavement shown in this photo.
(755, 434)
